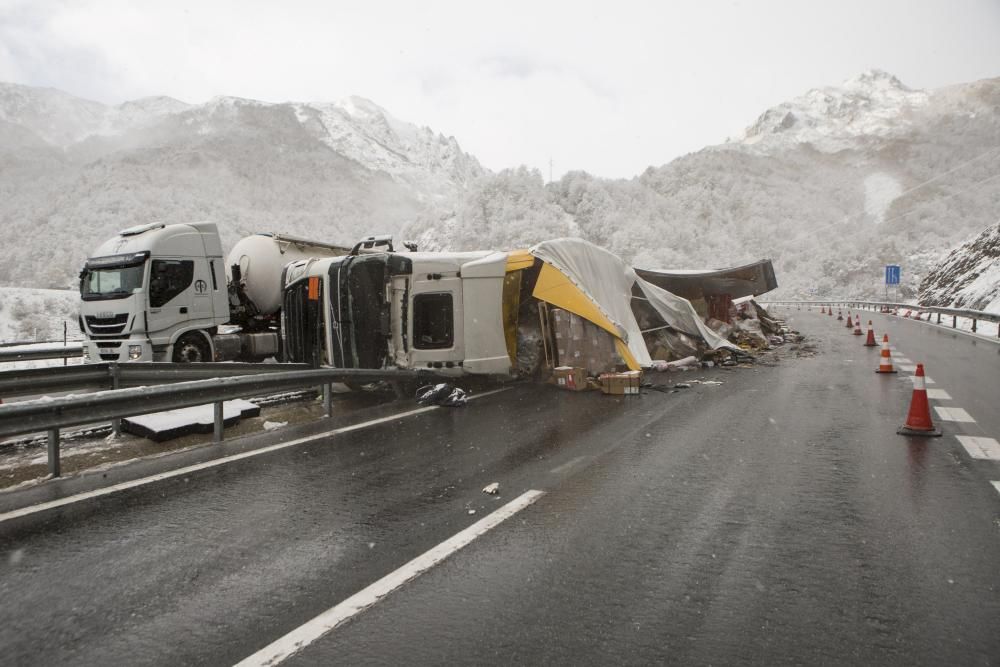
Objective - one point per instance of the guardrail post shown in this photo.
(54, 468)
(954, 321)
(116, 423)
(973, 325)
(939, 318)
(219, 423)
(327, 400)
(65, 359)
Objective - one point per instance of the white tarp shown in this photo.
(608, 281)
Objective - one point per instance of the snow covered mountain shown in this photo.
(73, 172)
(871, 107)
(969, 277)
(831, 185)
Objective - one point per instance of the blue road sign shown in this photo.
(892, 274)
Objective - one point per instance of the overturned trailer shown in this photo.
(485, 312)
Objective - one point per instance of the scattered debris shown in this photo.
(678, 365)
(270, 426)
(442, 394)
(471, 512)
(492, 489)
(682, 385)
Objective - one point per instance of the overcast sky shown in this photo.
(607, 87)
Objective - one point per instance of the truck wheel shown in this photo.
(191, 348)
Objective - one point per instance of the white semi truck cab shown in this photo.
(166, 293)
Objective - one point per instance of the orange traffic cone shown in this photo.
(885, 362)
(857, 327)
(849, 325)
(829, 311)
(840, 315)
(822, 310)
(871, 336)
(918, 421)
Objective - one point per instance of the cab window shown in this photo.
(433, 321)
(168, 278)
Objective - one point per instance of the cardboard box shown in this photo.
(621, 384)
(573, 378)
(582, 344)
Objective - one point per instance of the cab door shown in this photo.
(170, 294)
(435, 326)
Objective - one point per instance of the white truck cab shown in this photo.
(154, 293)
(413, 310)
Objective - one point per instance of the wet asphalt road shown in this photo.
(774, 519)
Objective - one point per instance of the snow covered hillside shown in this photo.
(75, 172)
(969, 277)
(831, 185)
(28, 315)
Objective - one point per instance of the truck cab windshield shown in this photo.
(111, 282)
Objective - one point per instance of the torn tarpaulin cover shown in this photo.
(442, 394)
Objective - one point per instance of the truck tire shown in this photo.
(192, 348)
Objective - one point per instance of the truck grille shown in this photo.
(106, 327)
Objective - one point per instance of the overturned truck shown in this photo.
(485, 313)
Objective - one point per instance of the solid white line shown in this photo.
(284, 647)
(953, 414)
(940, 394)
(980, 448)
(996, 485)
(115, 488)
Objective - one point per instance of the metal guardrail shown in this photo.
(32, 381)
(53, 414)
(32, 353)
(955, 313)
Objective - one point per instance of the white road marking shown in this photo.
(927, 379)
(906, 368)
(115, 488)
(285, 647)
(953, 414)
(940, 394)
(902, 360)
(996, 485)
(566, 466)
(980, 448)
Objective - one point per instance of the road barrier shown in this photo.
(33, 352)
(34, 381)
(955, 313)
(918, 419)
(52, 414)
(885, 359)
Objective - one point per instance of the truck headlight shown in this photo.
(134, 352)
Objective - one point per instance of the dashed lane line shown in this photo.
(906, 368)
(980, 448)
(304, 635)
(939, 394)
(566, 466)
(996, 485)
(187, 470)
(953, 414)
